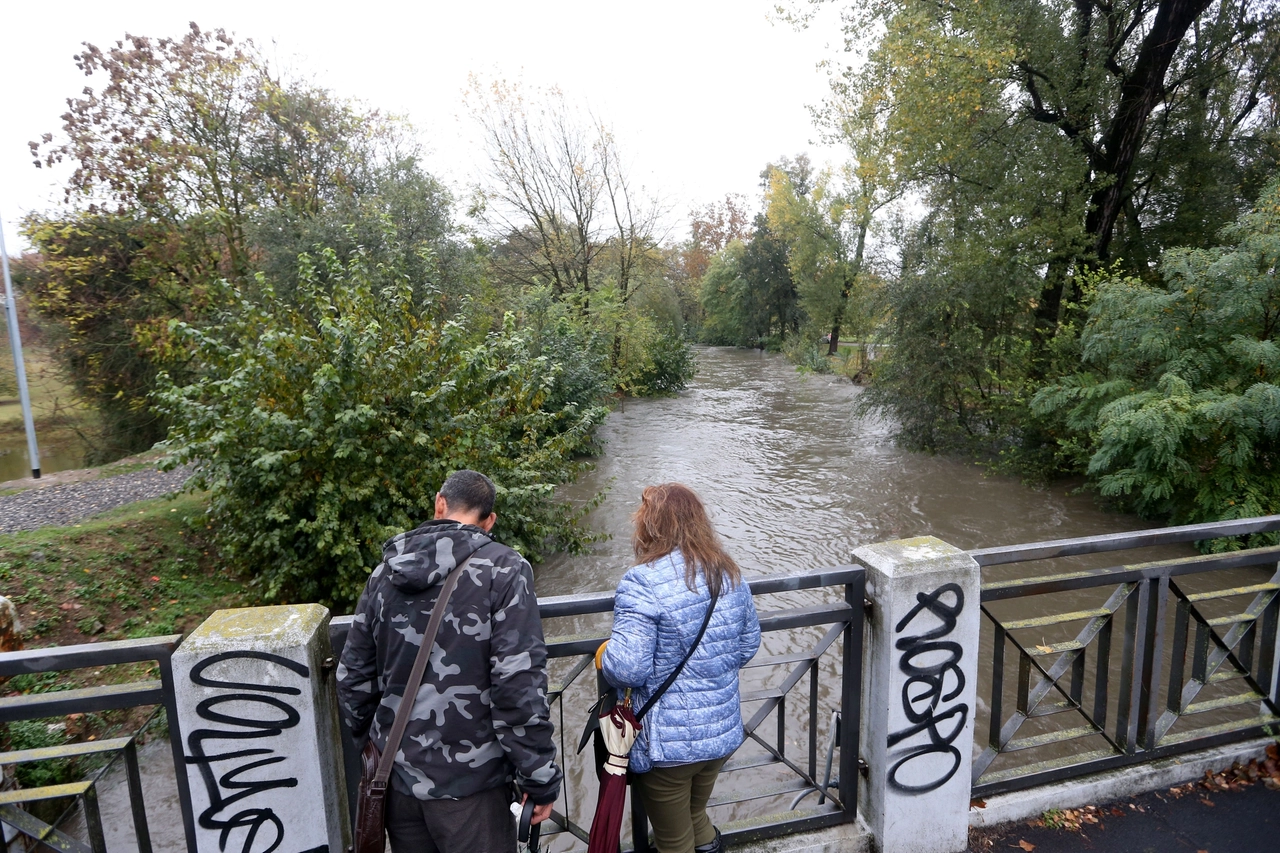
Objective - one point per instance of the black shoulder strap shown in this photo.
(671, 679)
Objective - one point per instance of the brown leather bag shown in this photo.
(375, 766)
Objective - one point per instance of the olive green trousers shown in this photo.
(675, 800)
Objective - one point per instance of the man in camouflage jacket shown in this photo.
(480, 717)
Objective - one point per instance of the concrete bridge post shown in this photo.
(258, 716)
(920, 699)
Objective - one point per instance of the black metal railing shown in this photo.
(86, 700)
(833, 653)
(1142, 661)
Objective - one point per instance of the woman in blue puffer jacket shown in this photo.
(658, 609)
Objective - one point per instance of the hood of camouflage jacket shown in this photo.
(420, 558)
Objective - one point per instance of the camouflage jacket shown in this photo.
(481, 716)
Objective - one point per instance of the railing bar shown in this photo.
(1267, 658)
(795, 768)
(1153, 658)
(70, 750)
(133, 778)
(1102, 675)
(1247, 641)
(782, 727)
(1055, 619)
(1059, 736)
(1085, 579)
(1214, 594)
(1178, 655)
(851, 695)
(46, 835)
(997, 688)
(85, 655)
(1223, 702)
(776, 694)
(1077, 680)
(583, 604)
(813, 722)
(1125, 705)
(572, 675)
(1122, 541)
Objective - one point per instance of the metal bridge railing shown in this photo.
(764, 755)
(833, 626)
(1141, 661)
(59, 703)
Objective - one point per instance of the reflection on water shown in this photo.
(15, 462)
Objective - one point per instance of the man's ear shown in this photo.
(486, 524)
(442, 506)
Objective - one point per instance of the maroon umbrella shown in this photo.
(618, 730)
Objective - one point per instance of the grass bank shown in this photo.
(145, 569)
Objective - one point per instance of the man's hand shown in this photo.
(540, 812)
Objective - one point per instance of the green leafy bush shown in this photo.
(1177, 410)
(325, 424)
(38, 734)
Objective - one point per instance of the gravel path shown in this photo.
(71, 502)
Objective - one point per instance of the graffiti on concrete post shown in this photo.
(248, 712)
(934, 678)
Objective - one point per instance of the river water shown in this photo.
(795, 480)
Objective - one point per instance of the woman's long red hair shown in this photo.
(672, 516)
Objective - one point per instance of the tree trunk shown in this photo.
(1141, 92)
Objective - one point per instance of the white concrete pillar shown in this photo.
(259, 721)
(919, 704)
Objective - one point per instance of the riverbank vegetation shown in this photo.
(264, 274)
(1025, 191)
(1043, 232)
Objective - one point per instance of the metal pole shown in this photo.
(19, 367)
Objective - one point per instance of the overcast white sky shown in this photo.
(701, 93)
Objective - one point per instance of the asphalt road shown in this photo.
(1237, 821)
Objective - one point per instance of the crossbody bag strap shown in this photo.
(657, 694)
(411, 686)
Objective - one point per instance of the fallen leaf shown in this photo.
(1207, 801)
(1026, 845)
(977, 804)
(1045, 649)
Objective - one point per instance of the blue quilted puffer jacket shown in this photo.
(656, 618)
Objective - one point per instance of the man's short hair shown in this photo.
(469, 490)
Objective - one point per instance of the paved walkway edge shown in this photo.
(846, 838)
(1114, 784)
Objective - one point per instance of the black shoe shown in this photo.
(712, 846)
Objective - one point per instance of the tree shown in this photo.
(559, 200)
(192, 162)
(322, 427)
(1176, 410)
(197, 134)
(1047, 140)
(98, 277)
(563, 212)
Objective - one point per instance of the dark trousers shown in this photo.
(675, 800)
(480, 823)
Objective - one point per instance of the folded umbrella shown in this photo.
(618, 730)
